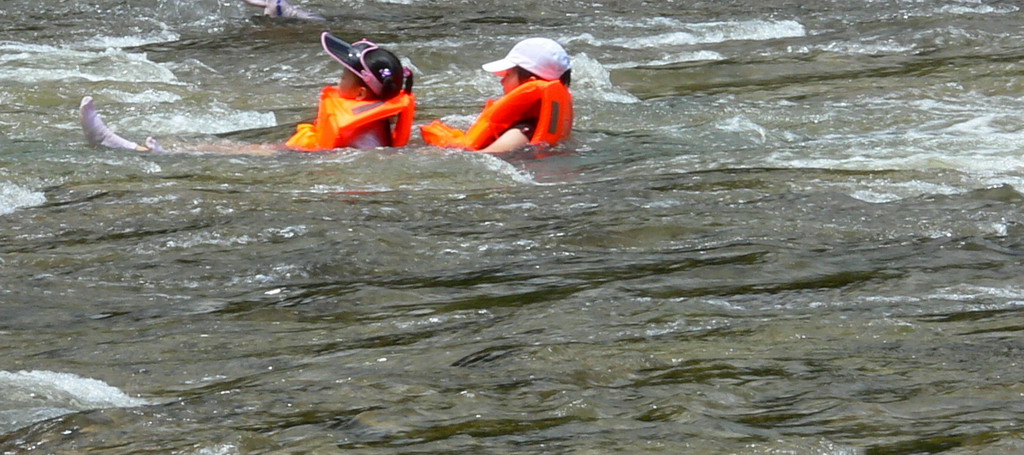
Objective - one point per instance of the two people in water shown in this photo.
(372, 105)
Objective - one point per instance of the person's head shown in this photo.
(530, 59)
(371, 73)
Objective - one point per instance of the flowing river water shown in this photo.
(780, 228)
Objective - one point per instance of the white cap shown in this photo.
(541, 56)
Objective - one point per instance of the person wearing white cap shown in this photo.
(536, 109)
(541, 57)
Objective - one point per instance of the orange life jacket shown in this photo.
(339, 119)
(547, 101)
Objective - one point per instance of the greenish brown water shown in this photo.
(779, 228)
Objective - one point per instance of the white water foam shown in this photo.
(713, 32)
(503, 168)
(34, 63)
(637, 22)
(460, 121)
(192, 240)
(893, 191)
(149, 96)
(689, 34)
(105, 42)
(742, 124)
(979, 9)
(591, 80)
(981, 297)
(13, 197)
(215, 119)
(859, 48)
(136, 162)
(27, 397)
(219, 449)
(697, 56)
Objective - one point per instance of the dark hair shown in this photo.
(523, 74)
(386, 67)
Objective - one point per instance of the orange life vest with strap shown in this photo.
(547, 101)
(339, 119)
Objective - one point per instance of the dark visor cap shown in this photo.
(347, 54)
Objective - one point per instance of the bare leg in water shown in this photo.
(281, 8)
(97, 133)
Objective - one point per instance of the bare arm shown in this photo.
(511, 140)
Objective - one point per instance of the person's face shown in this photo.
(510, 80)
(352, 87)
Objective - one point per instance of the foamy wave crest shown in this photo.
(216, 119)
(149, 96)
(13, 197)
(979, 9)
(592, 80)
(687, 57)
(27, 397)
(716, 32)
(104, 42)
(504, 168)
(882, 48)
(32, 63)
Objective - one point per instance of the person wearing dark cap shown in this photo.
(535, 110)
(373, 91)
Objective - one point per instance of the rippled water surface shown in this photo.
(780, 227)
